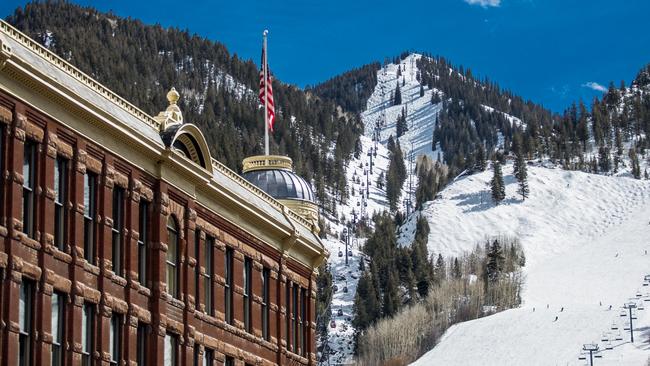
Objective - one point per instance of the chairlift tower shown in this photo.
(591, 348)
(629, 306)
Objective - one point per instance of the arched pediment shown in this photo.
(188, 140)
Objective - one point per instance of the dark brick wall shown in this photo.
(66, 271)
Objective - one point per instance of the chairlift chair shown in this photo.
(340, 312)
(609, 346)
(623, 313)
(614, 326)
(333, 324)
(340, 254)
(345, 289)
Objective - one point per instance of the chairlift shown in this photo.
(598, 355)
(340, 254)
(619, 337)
(358, 203)
(582, 356)
(604, 338)
(350, 253)
(345, 289)
(623, 313)
(333, 324)
(366, 204)
(640, 306)
(609, 346)
(340, 312)
(638, 294)
(614, 326)
(335, 288)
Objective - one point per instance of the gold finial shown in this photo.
(172, 96)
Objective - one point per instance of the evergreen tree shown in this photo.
(497, 185)
(480, 161)
(495, 261)
(522, 176)
(440, 270)
(636, 168)
(456, 270)
(397, 95)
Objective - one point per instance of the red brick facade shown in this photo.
(147, 306)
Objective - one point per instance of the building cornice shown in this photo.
(309, 251)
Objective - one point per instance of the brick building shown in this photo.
(122, 242)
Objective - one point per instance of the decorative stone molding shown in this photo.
(6, 115)
(34, 131)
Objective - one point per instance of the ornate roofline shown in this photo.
(73, 71)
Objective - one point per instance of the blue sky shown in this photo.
(551, 51)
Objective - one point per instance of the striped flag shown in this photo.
(269, 91)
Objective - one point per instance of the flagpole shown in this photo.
(266, 99)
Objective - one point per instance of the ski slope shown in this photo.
(585, 238)
(366, 196)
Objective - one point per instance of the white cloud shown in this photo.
(484, 3)
(595, 86)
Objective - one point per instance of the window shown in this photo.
(87, 331)
(208, 356)
(172, 257)
(248, 264)
(265, 303)
(25, 319)
(288, 314)
(58, 330)
(90, 209)
(115, 339)
(29, 185)
(118, 226)
(294, 318)
(230, 361)
(171, 349)
(60, 201)
(197, 268)
(207, 277)
(2, 139)
(228, 286)
(142, 345)
(143, 239)
(303, 322)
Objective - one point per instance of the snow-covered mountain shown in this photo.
(583, 235)
(586, 240)
(366, 196)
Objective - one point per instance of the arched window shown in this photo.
(172, 257)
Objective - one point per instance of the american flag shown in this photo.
(269, 95)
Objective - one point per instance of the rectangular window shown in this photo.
(29, 185)
(118, 226)
(230, 361)
(207, 277)
(60, 202)
(248, 266)
(87, 334)
(143, 239)
(208, 357)
(171, 349)
(288, 313)
(25, 319)
(2, 155)
(197, 268)
(303, 322)
(228, 286)
(142, 345)
(58, 331)
(294, 318)
(266, 274)
(90, 210)
(115, 339)
(172, 258)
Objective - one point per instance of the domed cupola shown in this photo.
(274, 175)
